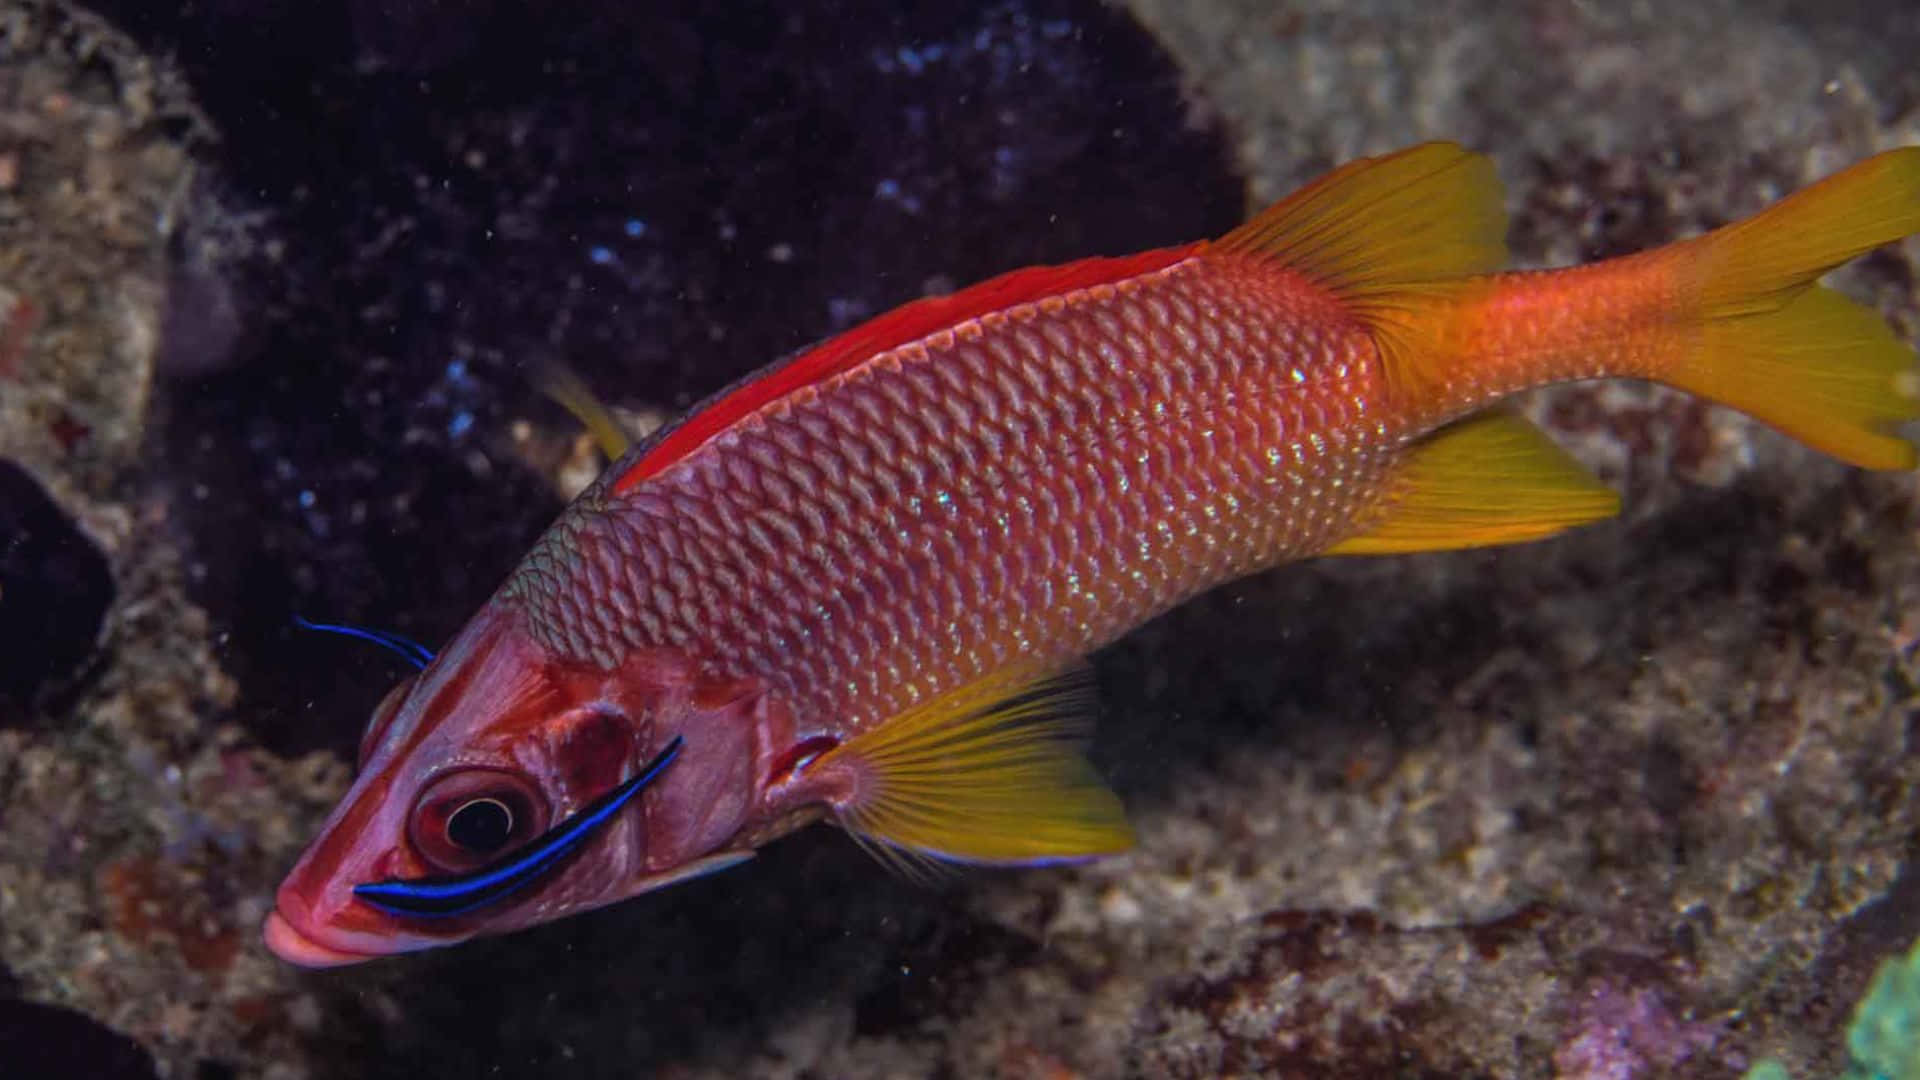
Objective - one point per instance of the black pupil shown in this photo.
(482, 825)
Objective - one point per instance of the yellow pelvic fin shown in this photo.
(571, 393)
(1804, 359)
(988, 773)
(1490, 479)
(1397, 238)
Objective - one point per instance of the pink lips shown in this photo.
(297, 934)
(295, 947)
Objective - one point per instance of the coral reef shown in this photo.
(1635, 802)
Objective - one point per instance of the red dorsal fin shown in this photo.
(901, 326)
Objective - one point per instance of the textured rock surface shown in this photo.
(1642, 796)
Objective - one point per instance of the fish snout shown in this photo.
(289, 944)
(339, 929)
(294, 935)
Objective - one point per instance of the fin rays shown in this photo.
(1805, 359)
(1490, 479)
(989, 773)
(1398, 238)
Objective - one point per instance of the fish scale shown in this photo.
(1026, 486)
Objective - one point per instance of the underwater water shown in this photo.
(274, 282)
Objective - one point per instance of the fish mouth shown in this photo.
(289, 944)
(295, 934)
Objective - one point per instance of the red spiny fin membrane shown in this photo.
(904, 324)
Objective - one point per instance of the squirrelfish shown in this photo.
(854, 586)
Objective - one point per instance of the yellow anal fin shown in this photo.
(1397, 238)
(989, 773)
(571, 393)
(1490, 479)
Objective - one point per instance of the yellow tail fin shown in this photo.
(1803, 358)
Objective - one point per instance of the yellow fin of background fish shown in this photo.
(571, 393)
(1490, 479)
(989, 773)
(1393, 236)
(1804, 359)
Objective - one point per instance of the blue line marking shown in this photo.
(442, 897)
(415, 653)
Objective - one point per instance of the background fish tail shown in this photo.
(1803, 358)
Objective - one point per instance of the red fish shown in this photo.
(848, 588)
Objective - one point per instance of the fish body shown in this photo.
(849, 586)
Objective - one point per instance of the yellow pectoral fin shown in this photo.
(989, 773)
(1490, 479)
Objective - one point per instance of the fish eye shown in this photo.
(481, 826)
(464, 818)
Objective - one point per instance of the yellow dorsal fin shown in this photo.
(988, 773)
(1491, 479)
(571, 393)
(1394, 237)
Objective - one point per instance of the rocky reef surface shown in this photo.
(1634, 802)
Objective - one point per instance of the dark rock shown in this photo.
(55, 586)
(48, 1041)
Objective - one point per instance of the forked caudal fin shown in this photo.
(1800, 357)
